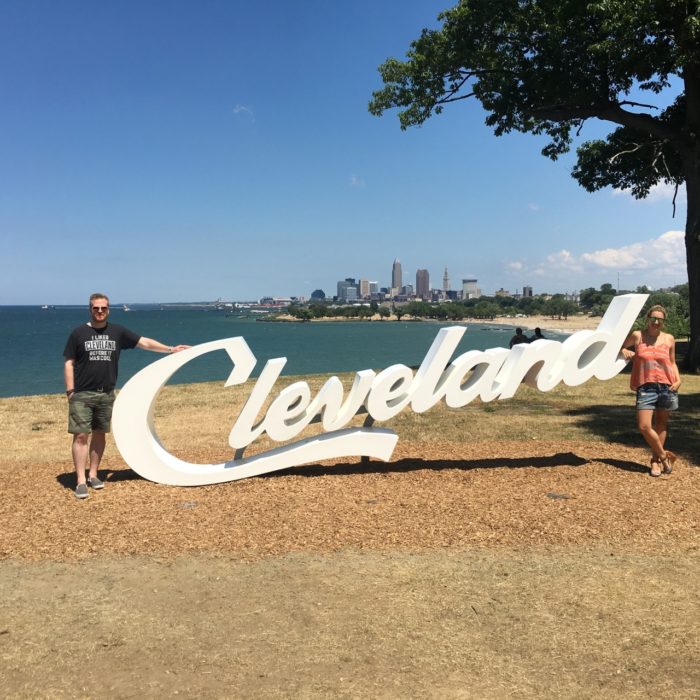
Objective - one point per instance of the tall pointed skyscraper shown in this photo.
(445, 282)
(396, 275)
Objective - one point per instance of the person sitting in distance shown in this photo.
(538, 335)
(518, 338)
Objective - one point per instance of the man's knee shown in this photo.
(98, 437)
(81, 438)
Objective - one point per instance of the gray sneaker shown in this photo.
(81, 491)
(95, 483)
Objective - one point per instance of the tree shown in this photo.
(595, 302)
(547, 66)
(486, 309)
(384, 312)
(560, 307)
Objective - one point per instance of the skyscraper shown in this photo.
(422, 284)
(396, 275)
(470, 289)
(445, 282)
(347, 289)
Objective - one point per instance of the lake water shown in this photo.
(31, 360)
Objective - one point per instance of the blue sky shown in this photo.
(163, 151)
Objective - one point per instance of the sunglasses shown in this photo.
(100, 308)
(655, 319)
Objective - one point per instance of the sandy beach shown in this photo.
(545, 323)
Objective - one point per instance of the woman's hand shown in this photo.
(627, 354)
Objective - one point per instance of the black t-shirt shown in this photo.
(95, 352)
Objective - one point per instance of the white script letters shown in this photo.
(490, 374)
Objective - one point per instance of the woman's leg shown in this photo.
(661, 417)
(661, 424)
(644, 423)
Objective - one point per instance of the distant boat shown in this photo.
(47, 306)
(125, 308)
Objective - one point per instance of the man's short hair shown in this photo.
(97, 295)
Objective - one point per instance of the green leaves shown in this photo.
(542, 66)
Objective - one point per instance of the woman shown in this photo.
(655, 378)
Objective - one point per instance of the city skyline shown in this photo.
(357, 289)
(164, 170)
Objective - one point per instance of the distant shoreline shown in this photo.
(545, 323)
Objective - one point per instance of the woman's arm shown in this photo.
(630, 341)
(672, 356)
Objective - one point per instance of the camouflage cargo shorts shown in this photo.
(90, 410)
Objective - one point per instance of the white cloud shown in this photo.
(662, 192)
(564, 260)
(665, 252)
(242, 109)
(658, 262)
(356, 181)
(533, 207)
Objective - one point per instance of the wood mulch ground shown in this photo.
(431, 496)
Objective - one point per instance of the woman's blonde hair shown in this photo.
(657, 307)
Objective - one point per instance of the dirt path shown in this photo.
(574, 623)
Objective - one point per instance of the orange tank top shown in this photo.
(652, 363)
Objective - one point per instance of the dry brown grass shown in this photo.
(484, 624)
(196, 419)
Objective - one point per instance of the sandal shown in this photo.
(656, 466)
(670, 460)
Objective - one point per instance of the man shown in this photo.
(518, 338)
(90, 372)
(538, 336)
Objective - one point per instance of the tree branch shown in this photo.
(446, 100)
(636, 104)
(612, 159)
(610, 111)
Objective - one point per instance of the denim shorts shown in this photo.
(652, 396)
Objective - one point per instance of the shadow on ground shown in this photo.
(403, 466)
(563, 459)
(67, 479)
(617, 424)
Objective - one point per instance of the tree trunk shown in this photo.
(691, 163)
(692, 250)
(691, 171)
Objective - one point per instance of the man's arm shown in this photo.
(155, 346)
(68, 376)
